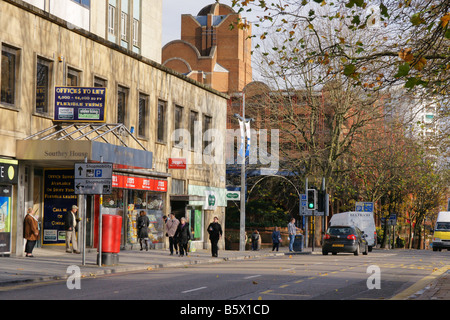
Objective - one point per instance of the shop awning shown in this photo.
(65, 145)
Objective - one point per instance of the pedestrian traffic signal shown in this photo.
(312, 199)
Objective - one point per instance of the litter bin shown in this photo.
(298, 243)
(111, 238)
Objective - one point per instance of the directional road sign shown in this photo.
(364, 207)
(93, 178)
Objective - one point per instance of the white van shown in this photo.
(363, 220)
(441, 237)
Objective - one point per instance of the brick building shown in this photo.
(210, 52)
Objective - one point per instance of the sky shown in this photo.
(172, 11)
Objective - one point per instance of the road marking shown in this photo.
(198, 289)
(421, 284)
(284, 286)
(252, 277)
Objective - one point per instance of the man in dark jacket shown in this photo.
(215, 233)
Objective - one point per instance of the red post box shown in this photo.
(111, 233)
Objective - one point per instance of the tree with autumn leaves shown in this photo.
(342, 59)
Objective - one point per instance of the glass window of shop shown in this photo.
(129, 204)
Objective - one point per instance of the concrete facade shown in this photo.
(33, 35)
(141, 21)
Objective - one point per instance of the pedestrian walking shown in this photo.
(276, 239)
(71, 227)
(256, 239)
(171, 228)
(142, 223)
(183, 235)
(215, 233)
(292, 230)
(30, 231)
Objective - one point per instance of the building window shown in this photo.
(124, 27)
(112, 19)
(178, 117)
(100, 83)
(9, 75)
(160, 135)
(142, 121)
(136, 25)
(43, 75)
(193, 119)
(84, 3)
(207, 125)
(73, 77)
(122, 94)
(136, 33)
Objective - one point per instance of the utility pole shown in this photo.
(244, 146)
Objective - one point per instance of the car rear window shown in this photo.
(340, 231)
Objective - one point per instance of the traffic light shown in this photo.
(312, 199)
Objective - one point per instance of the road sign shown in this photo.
(234, 195)
(93, 178)
(364, 207)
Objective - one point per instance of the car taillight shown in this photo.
(351, 237)
(327, 236)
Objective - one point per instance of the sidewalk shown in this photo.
(438, 289)
(52, 263)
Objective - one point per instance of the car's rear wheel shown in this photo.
(356, 253)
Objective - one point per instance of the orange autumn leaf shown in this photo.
(445, 19)
(406, 55)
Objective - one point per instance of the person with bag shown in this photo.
(183, 235)
(215, 233)
(276, 239)
(142, 223)
(171, 228)
(30, 232)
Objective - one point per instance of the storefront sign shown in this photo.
(177, 164)
(5, 219)
(139, 183)
(211, 200)
(8, 171)
(74, 104)
(59, 197)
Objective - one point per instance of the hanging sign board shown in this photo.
(76, 104)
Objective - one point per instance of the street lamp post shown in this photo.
(243, 175)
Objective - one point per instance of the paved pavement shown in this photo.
(52, 264)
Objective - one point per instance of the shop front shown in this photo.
(204, 204)
(49, 187)
(8, 179)
(131, 196)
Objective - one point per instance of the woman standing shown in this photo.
(30, 231)
(183, 235)
(143, 222)
(276, 239)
